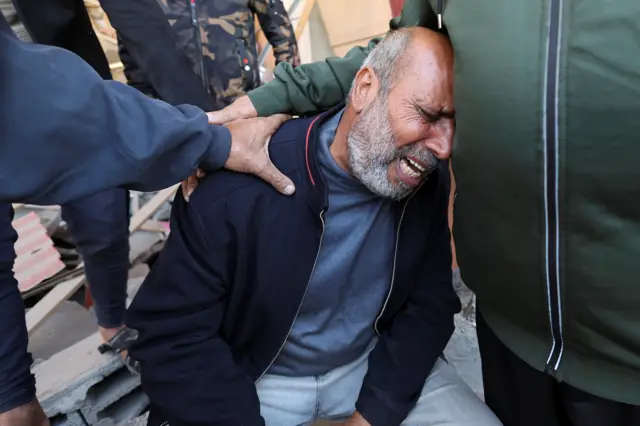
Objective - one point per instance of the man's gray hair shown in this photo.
(387, 58)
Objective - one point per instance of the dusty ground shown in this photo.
(69, 324)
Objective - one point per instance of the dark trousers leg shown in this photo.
(584, 409)
(518, 394)
(523, 396)
(99, 226)
(17, 384)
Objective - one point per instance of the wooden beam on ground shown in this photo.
(154, 226)
(151, 207)
(45, 307)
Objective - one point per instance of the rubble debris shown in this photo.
(139, 421)
(36, 257)
(80, 383)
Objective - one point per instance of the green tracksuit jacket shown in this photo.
(547, 162)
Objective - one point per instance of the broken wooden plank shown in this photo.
(45, 307)
(155, 226)
(152, 206)
(41, 311)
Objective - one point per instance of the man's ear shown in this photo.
(365, 89)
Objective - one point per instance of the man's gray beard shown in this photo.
(372, 146)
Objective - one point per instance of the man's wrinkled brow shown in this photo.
(434, 113)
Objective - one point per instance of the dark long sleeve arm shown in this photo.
(66, 133)
(188, 369)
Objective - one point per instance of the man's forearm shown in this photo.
(189, 370)
(309, 88)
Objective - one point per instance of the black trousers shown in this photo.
(523, 396)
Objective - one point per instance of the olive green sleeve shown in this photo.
(318, 86)
(309, 88)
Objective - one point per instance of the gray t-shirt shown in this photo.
(351, 278)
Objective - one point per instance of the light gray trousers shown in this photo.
(293, 401)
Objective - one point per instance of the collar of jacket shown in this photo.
(313, 181)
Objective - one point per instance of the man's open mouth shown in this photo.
(410, 171)
(411, 166)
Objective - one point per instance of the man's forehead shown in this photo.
(429, 75)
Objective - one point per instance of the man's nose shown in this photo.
(440, 146)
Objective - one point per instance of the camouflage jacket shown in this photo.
(219, 38)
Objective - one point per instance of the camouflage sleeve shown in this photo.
(276, 25)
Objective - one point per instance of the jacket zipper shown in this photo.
(196, 27)
(550, 126)
(393, 271)
(315, 262)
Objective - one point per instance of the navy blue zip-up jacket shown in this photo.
(219, 303)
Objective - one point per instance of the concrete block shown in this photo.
(65, 379)
(70, 419)
(139, 421)
(126, 408)
(106, 422)
(108, 392)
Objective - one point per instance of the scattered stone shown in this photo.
(71, 419)
(140, 421)
(117, 397)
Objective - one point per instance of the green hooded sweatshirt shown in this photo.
(547, 162)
